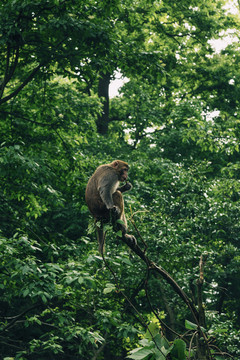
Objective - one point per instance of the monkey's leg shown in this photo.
(116, 215)
(118, 201)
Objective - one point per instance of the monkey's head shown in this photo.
(121, 168)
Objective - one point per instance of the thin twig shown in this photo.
(190, 345)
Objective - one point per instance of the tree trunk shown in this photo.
(103, 118)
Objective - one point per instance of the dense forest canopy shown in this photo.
(176, 122)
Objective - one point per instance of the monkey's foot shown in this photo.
(130, 239)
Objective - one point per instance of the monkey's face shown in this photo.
(123, 174)
(121, 168)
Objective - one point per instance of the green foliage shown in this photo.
(156, 347)
(176, 122)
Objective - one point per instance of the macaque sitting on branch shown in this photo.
(105, 201)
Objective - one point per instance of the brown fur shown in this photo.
(104, 197)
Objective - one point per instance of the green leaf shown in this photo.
(80, 280)
(153, 330)
(189, 325)
(26, 292)
(178, 351)
(119, 221)
(159, 355)
(109, 288)
(44, 299)
(140, 354)
(107, 227)
(161, 341)
(127, 261)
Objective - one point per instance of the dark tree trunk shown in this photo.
(103, 118)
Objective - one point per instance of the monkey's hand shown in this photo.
(125, 187)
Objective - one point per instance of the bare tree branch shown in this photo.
(6, 72)
(24, 83)
(153, 267)
(17, 317)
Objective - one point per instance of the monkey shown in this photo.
(105, 201)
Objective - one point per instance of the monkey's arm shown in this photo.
(125, 187)
(106, 187)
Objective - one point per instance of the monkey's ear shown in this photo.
(115, 164)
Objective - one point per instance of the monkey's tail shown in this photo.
(101, 238)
